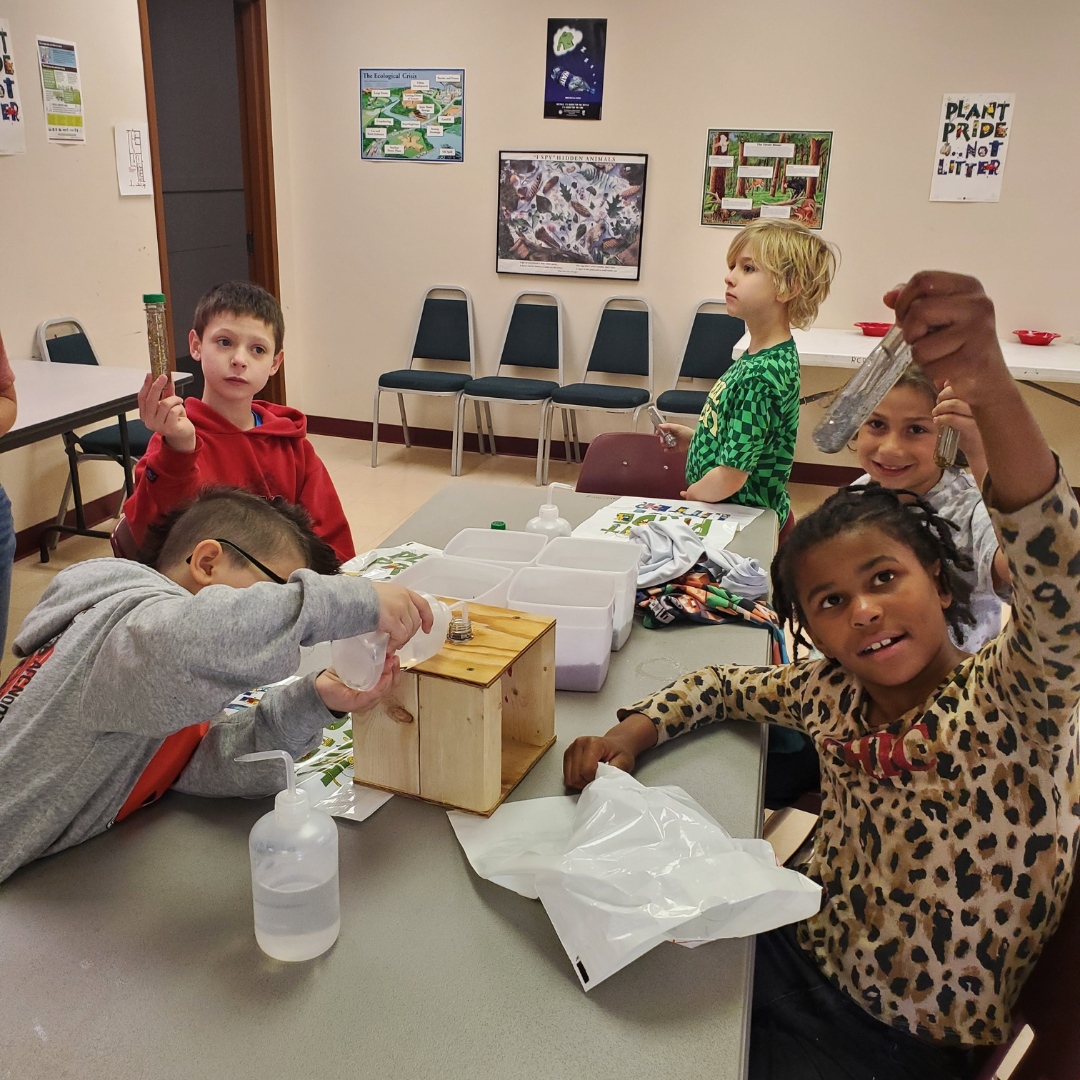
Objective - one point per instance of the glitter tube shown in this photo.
(948, 441)
(863, 393)
(156, 334)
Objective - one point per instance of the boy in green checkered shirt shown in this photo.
(779, 272)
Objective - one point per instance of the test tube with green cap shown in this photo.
(156, 333)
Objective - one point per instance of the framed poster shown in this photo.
(765, 174)
(571, 214)
(575, 69)
(973, 139)
(416, 115)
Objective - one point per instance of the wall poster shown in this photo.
(61, 90)
(973, 138)
(571, 214)
(575, 69)
(765, 174)
(12, 138)
(416, 115)
(132, 142)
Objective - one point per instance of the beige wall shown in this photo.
(71, 245)
(361, 240)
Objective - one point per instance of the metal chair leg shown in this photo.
(637, 413)
(459, 437)
(549, 409)
(62, 512)
(479, 426)
(375, 429)
(491, 429)
(404, 421)
(577, 441)
(566, 434)
(541, 455)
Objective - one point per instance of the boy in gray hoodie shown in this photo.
(126, 668)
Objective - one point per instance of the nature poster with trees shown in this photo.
(765, 174)
(571, 214)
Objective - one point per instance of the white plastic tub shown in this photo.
(617, 557)
(513, 549)
(458, 579)
(582, 605)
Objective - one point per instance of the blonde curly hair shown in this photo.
(799, 262)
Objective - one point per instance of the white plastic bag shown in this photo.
(623, 867)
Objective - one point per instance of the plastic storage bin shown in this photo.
(513, 549)
(582, 605)
(458, 579)
(617, 557)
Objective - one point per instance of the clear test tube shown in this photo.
(156, 333)
(863, 393)
(945, 448)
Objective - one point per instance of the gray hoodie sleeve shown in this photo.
(287, 718)
(175, 660)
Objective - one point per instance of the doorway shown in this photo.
(208, 102)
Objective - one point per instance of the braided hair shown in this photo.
(900, 514)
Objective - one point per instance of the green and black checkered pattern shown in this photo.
(749, 423)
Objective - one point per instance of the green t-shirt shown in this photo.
(749, 423)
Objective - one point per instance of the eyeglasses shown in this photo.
(276, 578)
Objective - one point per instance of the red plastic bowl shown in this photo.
(1036, 337)
(874, 329)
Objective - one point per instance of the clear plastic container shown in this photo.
(156, 333)
(421, 646)
(617, 557)
(509, 548)
(359, 660)
(294, 873)
(459, 579)
(863, 393)
(582, 605)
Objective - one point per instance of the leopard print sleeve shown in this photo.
(762, 694)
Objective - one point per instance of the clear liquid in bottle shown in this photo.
(297, 921)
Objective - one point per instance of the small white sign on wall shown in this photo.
(972, 141)
(133, 158)
(12, 138)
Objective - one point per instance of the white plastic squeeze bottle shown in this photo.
(547, 521)
(294, 873)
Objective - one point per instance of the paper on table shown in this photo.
(717, 521)
(382, 564)
(624, 867)
(326, 774)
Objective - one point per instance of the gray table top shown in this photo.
(132, 955)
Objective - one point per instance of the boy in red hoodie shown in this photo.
(228, 438)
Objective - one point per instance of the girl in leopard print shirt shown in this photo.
(951, 801)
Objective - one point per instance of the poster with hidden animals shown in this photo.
(571, 214)
(765, 174)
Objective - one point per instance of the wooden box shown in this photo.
(464, 727)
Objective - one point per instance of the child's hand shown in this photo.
(949, 322)
(585, 753)
(954, 413)
(162, 411)
(682, 434)
(338, 696)
(401, 614)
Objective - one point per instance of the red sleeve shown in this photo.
(319, 498)
(164, 479)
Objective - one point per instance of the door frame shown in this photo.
(256, 137)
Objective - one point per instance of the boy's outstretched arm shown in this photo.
(949, 321)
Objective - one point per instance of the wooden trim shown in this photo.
(256, 138)
(155, 173)
(835, 476)
(28, 540)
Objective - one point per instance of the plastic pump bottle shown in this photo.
(294, 873)
(547, 521)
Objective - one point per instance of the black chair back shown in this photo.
(713, 336)
(621, 346)
(532, 338)
(71, 349)
(443, 333)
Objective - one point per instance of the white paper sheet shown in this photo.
(132, 140)
(717, 521)
(61, 90)
(12, 135)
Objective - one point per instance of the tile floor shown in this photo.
(376, 502)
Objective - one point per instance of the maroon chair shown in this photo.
(123, 542)
(632, 463)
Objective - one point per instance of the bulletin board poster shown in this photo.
(973, 138)
(416, 115)
(575, 69)
(12, 138)
(61, 90)
(571, 214)
(765, 174)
